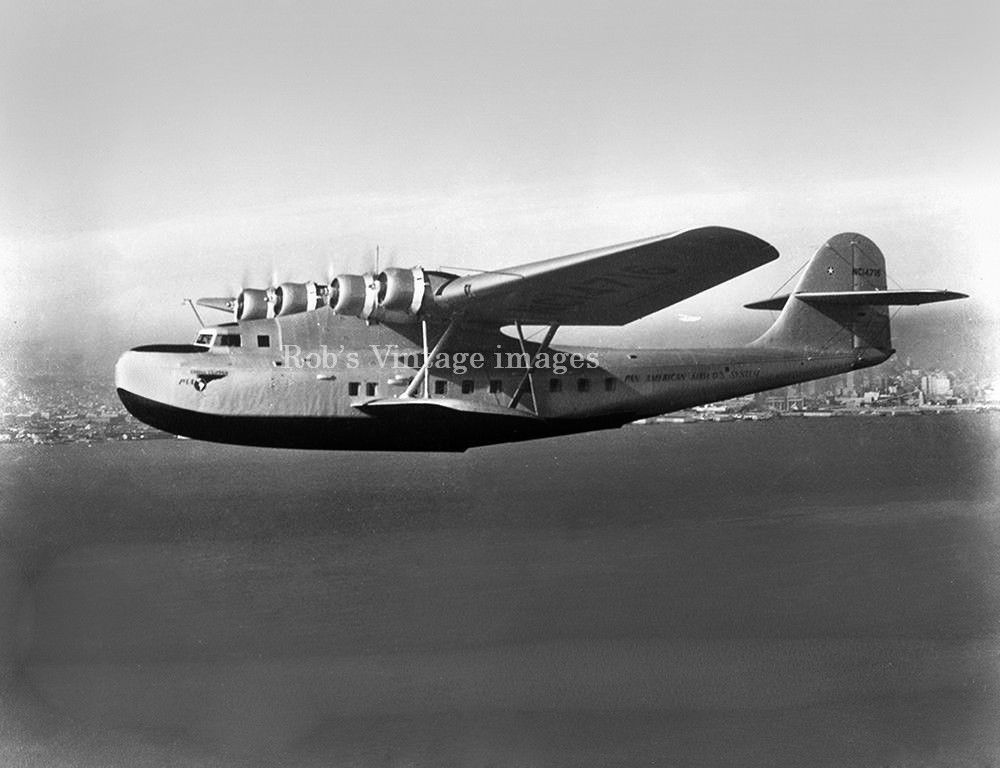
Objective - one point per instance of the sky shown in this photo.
(155, 151)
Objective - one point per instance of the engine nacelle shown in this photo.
(401, 290)
(253, 304)
(392, 296)
(290, 298)
(355, 295)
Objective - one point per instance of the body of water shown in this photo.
(790, 592)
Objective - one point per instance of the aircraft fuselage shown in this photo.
(314, 380)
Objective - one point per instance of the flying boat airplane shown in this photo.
(415, 359)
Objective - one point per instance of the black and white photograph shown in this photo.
(399, 384)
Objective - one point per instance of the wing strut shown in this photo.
(195, 310)
(427, 381)
(529, 378)
(421, 375)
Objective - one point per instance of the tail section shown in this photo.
(846, 263)
(841, 304)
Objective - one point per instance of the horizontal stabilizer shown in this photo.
(776, 303)
(877, 298)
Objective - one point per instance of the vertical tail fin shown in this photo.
(846, 263)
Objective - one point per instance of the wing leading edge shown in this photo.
(609, 286)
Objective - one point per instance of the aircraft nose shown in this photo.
(147, 381)
(132, 375)
(148, 374)
(130, 381)
(140, 381)
(150, 370)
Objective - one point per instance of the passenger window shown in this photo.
(496, 386)
(263, 340)
(353, 388)
(468, 386)
(583, 385)
(440, 387)
(609, 385)
(555, 385)
(371, 388)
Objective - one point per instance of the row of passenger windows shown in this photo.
(494, 386)
(583, 385)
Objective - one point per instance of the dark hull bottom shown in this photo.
(443, 431)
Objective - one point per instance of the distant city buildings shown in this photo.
(935, 385)
(892, 384)
(51, 408)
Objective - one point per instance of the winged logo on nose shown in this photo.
(202, 379)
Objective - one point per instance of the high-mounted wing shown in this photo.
(608, 286)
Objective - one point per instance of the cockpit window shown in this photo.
(204, 338)
(227, 340)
